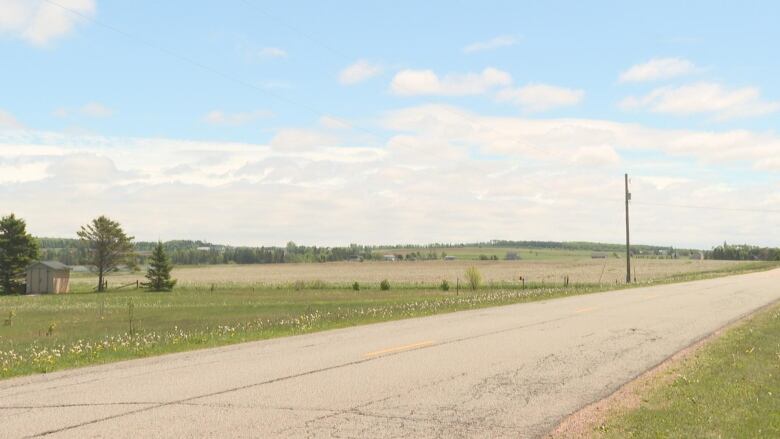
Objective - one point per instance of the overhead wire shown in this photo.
(320, 42)
(692, 206)
(212, 70)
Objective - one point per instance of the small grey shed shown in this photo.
(45, 277)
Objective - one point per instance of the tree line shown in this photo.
(105, 244)
(743, 252)
(194, 252)
(185, 252)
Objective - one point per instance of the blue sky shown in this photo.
(402, 111)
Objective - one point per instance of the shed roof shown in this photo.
(54, 265)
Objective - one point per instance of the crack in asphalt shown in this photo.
(157, 403)
(356, 409)
(351, 411)
(289, 377)
(94, 380)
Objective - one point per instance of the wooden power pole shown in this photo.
(628, 244)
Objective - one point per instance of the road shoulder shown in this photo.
(594, 419)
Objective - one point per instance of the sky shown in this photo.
(327, 123)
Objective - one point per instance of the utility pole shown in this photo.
(628, 244)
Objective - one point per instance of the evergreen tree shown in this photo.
(159, 273)
(109, 246)
(17, 250)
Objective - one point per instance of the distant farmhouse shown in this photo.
(449, 258)
(47, 277)
(389, 258)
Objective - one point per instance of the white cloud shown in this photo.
(40, 22)
(301, 139)
(445, 175)
(96, 109)
(541, 97)
(492, 44)
(334, 123)
(90, 109)
(85, 169)
(559, 139)
(252, 52)
(23, 172)
(662, 183)
(8, 121)
(658, 69)
(219, 117)
(595, 156)
(359, 71)
(272, 52)
(704, 97)
(426, 82)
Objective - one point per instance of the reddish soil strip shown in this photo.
(586, 421)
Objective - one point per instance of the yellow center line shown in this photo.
(590, 308)
(400, 348)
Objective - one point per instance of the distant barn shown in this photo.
(47, 277)
(449, 258)
(389, 258)
(598, 255)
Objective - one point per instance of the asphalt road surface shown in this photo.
(510, 371)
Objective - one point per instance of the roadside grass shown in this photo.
(52, 332)
(728, 389)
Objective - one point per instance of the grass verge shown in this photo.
(730, 388)
(46, 333)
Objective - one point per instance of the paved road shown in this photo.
(511, 371)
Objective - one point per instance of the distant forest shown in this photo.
(187, 252)
(744, 252)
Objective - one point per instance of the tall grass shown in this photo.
(51, 332)
(473, 277)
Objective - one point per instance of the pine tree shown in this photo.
(159, 273)
(17, 250)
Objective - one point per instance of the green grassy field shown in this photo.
(729, 389)
(51, 332)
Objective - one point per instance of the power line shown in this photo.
(676, 205)
(691, 206)
(320, 42)
(213, 70)
(245, 83)
(321, 113)
(308, 36)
